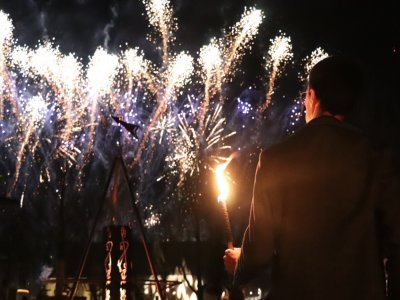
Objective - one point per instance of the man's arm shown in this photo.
(258, 241)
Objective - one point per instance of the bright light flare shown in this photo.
(210, 58)
(251, 20)
(310, 61)
(280, 51)
(159, 12)
(44, 61)
(36, 109)
(134, 62)
(241, 35)
(179, 71)
(20, 57)
(6, 29)
(103, 67)
(222, 182)
(71, 72)
(279, 54)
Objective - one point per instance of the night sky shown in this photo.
(368, 31)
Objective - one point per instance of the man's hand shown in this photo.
(231, 258)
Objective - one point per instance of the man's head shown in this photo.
(334, 86)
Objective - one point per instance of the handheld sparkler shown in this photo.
(223, 188)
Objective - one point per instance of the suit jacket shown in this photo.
(324, 210)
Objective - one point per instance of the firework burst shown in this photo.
(279, 54)
(241, 35)
(311, 60)
(297, 109)
(55, 106)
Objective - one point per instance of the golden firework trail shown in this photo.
(279, 54)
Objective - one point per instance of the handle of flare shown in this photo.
(227, 225)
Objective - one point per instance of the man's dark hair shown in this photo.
(338, 84)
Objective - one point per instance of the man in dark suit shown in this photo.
(325, 209)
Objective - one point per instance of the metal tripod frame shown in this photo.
(117, 159)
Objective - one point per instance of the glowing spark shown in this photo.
(135, 64)
(179, 72)
(71, 72)
(44, 62)
(160, 17)
(190, 150)
(279, 54)
(20, 57)
(210, 60)
(165, 124)
(103, 67)
(152, 221)
(159, 12)
(6, 29)
(240, 37)
(36, 109)
(297, 110)
(315, 56)
(222, 183)
(280, 51)
(21, 201)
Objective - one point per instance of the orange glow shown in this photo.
(222, 183)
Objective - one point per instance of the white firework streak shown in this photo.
(103, 68)
(218, 65)
(165, 124)
(138, 70)
(279, 54)
(231, 47)
(188, 154)
(64, 75)
(297, 109)
(240, 37)
(310, 61)
(210, 60)
(6, 37)
(35, 111)
(179, 73)
(160, 16)
(6, 30)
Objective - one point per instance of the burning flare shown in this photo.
(222, 181)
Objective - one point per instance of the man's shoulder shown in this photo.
(290, 143)
(319, 130)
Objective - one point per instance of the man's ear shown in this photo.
(314, 100)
